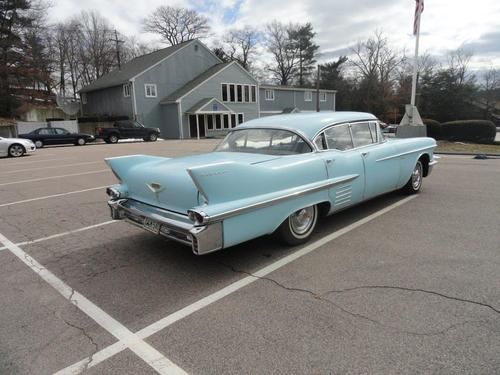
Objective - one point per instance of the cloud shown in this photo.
(446, 24)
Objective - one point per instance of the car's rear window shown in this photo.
(264, 141)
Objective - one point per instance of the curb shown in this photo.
(464, 153)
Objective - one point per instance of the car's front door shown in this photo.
(381, 167)
(64, 136)
(3, 146)
(47, 136)
(342, 161)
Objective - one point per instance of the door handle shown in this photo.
(365, 154)
(329, 161)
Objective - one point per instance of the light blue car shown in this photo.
(274, 174)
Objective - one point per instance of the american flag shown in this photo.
(419, 8)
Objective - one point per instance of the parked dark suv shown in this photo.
(126, 129)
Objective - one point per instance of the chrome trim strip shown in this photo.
(406, 153)
(432, 163)
(272, 201)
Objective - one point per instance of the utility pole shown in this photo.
(317, 88)
(117, 42)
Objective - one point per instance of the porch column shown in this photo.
(197, 127)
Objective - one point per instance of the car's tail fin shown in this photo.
(120, 165)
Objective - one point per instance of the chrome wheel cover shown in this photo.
(302, 221)
(113, 139)
(38, 144)
(81, 141)
(16, 151)
(416, 176)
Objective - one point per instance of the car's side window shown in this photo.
(45, 132)
(361, 134)
(61, 131)
(373, 130)
(338, 137)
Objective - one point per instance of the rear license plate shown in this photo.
(151, 225)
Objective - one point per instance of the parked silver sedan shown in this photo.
(16, 147)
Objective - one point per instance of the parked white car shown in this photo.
(16, 147)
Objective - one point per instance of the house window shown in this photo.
(224, 92)
(84, 97)
(322, 96)
(150, 90)
(308, 96)
(126, 90)
(231, 93)
(218, 124)
(247, 94)
(240, 118)
(226, 121)
(238, 93)
(269, 94)
(239, 89)
(210, 122)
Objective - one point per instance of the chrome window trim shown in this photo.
(295, 131)
(379, 139)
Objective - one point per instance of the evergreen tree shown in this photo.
(301, 37)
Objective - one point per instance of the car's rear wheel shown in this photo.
(81, 141)
(414, 183)
(16, 150)
(38, 144)
(299, 226)
(113, 138)
(152, 137)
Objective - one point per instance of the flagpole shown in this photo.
(415, 66)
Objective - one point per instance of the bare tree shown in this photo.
(176, 25)
(282, 48)
(134, 48)
(242, 45)
(458, 64)
(491, 90)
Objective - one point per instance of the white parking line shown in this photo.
(40, 161)
(52, 167)
(62, 234)
(145, 351)
(53, 177)
(52, 196)
(154, 328)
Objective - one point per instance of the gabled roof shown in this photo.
(200, 107)
(173, 97)
(133, 68)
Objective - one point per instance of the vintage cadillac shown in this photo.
(274, 174)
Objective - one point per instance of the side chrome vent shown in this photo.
(343, 195)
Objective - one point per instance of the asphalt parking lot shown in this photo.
(395, 285)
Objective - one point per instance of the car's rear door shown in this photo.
(47, 136)
(381, 164)
(341, 161)
(63, 136)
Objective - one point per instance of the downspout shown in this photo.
(134, 101)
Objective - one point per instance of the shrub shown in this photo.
(478, 131)
(433, 128)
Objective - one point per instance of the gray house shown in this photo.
(187, 92)
(284, 99)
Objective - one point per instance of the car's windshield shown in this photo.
(264, 141)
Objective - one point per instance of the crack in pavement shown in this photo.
(418, 290)
(322, 297)
(84, 332)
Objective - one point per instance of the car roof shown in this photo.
(309, 124)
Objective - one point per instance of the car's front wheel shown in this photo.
(38, 144)
(152, 137)
(80, 142)
(299, 226)
(414, 183)
(16, 150)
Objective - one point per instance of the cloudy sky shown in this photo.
(446, 24)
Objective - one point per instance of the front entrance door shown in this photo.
(193, 127)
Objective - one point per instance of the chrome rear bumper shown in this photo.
(203, 239)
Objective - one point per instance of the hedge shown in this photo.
(478, 131)
(433, 128)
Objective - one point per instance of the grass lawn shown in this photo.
(445, 146)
